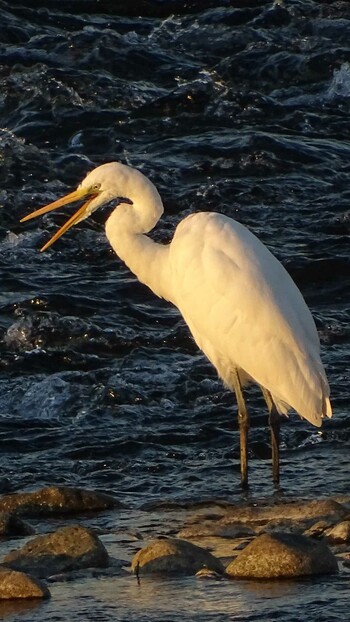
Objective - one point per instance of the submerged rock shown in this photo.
(14, 584)
(57, 500)
(174, 556)
(216, 529)
(283, 555)
(302, 512)
(69, 548)
(205, 573)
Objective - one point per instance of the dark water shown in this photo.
(232, 106)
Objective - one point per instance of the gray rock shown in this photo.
(339, 534)
(57, 500)
(14, 584)
(280, 524)
(12, 525)
(69, 548)
(174, 556)
(283, 555)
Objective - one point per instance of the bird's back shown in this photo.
(245, 312)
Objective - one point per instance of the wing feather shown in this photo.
(245, 312)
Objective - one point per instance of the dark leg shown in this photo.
(274, 423)
(243, 421)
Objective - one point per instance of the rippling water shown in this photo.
(232, 106)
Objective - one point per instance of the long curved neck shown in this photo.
(126, 228)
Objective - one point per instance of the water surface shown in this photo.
(237, 107)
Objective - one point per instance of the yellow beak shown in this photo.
(82, 212)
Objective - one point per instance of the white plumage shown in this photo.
(242, 307)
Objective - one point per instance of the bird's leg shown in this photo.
(243, 421)
(274, 423)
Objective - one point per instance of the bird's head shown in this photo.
(101, 185)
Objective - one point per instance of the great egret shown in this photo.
(242, 307)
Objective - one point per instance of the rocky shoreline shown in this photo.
(212, 540)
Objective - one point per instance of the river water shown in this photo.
(240, 107)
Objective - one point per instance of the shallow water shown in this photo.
(239, 107)
(123, 599)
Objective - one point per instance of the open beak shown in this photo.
(82, 212)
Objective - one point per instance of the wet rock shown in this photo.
(283, 555)
(205, 573)
(57, 500)
(174, 556)
(339, 534)
(280, 524)
(216, 529)
(69, 548)
(14, 584)
(316, 530)
(12, 525)
(303, 512)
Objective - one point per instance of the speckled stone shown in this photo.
(57, 500)
(18, 585)
(283, 555)
(69, 548)
(339, 534)
(174, 556)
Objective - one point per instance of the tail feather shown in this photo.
(327, 408)
(326, 403)
(315, 417)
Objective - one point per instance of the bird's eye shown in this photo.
(95, 187)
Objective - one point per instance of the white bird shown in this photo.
(242, 307)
